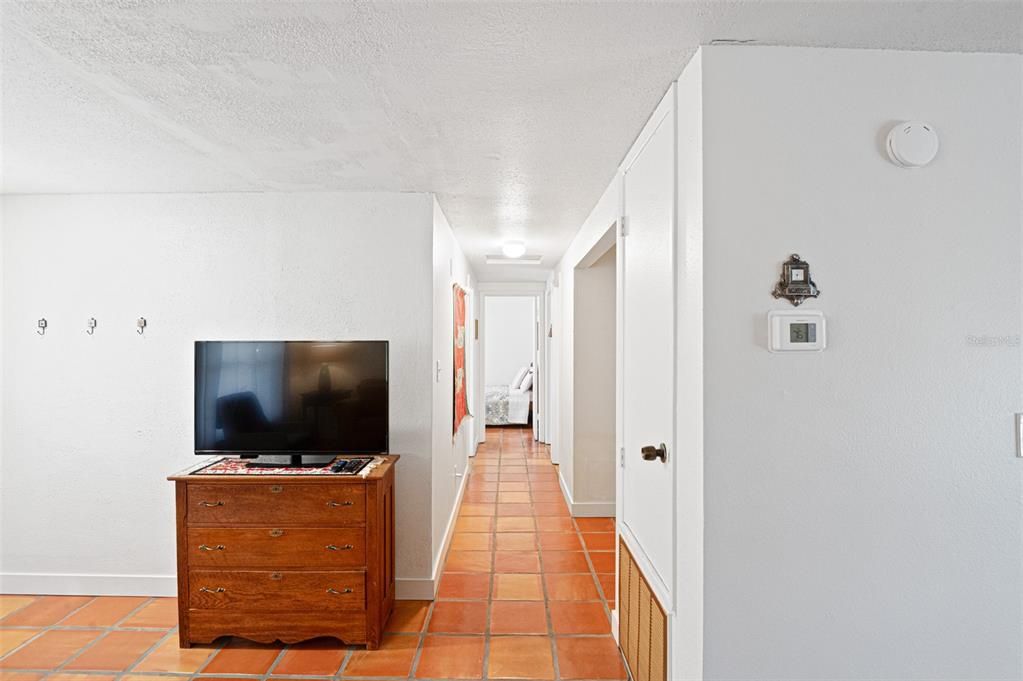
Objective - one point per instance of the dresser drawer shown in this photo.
(297, 504)
(275, 547)
(277, 591)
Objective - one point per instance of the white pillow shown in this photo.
(518, 378)
(527, 382)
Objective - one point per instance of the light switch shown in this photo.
(1019, 435)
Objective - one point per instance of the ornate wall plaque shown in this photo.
(796, 284)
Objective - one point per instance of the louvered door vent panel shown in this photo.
(643, 626)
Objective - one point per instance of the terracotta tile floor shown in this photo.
(525, 594)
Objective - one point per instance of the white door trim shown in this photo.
(662, 586)
(502, 289)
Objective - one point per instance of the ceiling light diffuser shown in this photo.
(514, 249)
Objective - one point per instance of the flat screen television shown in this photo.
(291, 402)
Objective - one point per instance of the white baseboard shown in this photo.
(415, 589)
(614, 625)
(153, 585)
(593, 509)
(422, 589)
(48, 584)
(586, 509)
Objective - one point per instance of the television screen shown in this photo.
(290, 397)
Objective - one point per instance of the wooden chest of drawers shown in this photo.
(288, 558)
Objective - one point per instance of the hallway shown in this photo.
(526, 590)
(525, 594)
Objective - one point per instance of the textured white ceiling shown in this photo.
(515, 114)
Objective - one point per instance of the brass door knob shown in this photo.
(651, 453)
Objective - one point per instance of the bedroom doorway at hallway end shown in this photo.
(512, 372)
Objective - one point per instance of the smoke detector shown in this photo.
(912, 144)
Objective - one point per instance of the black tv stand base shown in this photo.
(291, 461)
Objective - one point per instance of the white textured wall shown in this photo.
(450, 452)
(94, 424)
(3, 364)
(509, 327)
(594, 340)
(863, 506)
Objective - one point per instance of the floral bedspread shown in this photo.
(497, 405)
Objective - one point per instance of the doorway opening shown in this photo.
(590, 475)
(510, 361)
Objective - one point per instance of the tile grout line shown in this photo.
(593, 574)
(52, 627)
(33, 599)
(491, 578)
(75, 611)
(129, 668)
(141, 606)
(276, 661)
(421, 643)
(213, 654)
(600, 589)
(40, 630)
(23, 644)
(107, 631)
(348, 656)
(555, 662)
(417, 656)
(88, 646)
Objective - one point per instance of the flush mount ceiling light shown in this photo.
(514, 249)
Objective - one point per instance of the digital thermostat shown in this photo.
(796, 331)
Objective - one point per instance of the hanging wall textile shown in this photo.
(461, 404)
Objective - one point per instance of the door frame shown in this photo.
(546, 425)
(525, 289)
(665, 592)
(605, 241)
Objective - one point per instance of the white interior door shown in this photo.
(648, 346)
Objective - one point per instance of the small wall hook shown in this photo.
(140, 326)
(91, 326)
(42, 327)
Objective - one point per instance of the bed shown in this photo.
(507, 406)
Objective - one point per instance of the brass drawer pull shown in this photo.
(218, 590)
(276, 489)
(276, 533)
(207, 547)
(335, 504)
(211, 504)
(334, 547)
(336, 592)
